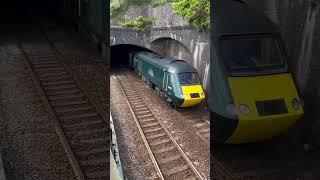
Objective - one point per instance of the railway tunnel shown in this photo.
(119, 54)
(52, 54)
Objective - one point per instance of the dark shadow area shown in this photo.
(119, 54)
(25, 10)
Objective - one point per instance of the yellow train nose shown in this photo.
(193, 95)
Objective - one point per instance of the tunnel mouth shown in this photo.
(119, 55)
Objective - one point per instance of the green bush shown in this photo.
(139, 23)
(196, 12)
(156, 3)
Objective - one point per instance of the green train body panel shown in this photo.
(156, 73)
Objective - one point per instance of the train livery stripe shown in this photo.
(187, 90)
(248, 90)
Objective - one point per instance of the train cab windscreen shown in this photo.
(252, 55)
(189, 78)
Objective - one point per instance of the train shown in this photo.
(254, 96)
(175, 80)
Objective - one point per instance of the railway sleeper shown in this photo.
(153, 130)
(65, 97)
(150, 125)
(63, 92)
(73, 109)
(162, 150)
(142, 112)
(156, 135)
(160, 142)
(134, 97)
(81, 120)
(83, 125)
(60, 87)
(52, 83)
(57, 104)
(82, 115)
(175, 170)
(169, 159)
(144, 116)
(55, 78)
(147, 120)
(137, 102)
(141, 108)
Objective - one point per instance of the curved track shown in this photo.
(168, 158)
(79, 121)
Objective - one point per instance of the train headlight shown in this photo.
(231, 108)
(244, 109)
(295, 104)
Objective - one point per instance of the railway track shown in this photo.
(196, 121)
(202, 129)
(79, 122)
(169, 160)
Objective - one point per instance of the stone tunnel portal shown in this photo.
(169, 47)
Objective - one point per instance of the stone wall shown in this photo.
(299, 22)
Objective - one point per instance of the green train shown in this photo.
(176, 80)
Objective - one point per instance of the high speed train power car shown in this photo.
(254, 96)
(176, 80)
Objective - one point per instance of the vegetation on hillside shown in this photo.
(196, 12)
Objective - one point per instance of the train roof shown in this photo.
(172, 65)
(235, 17)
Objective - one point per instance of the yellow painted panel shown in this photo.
(247, 90)
(187, 90)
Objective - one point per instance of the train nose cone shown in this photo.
(193, 95)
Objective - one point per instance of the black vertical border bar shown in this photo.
(212, 27)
